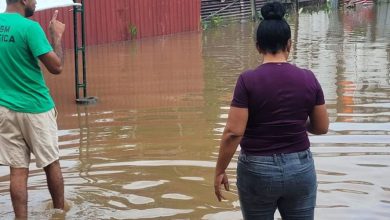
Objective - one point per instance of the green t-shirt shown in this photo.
(22, 86)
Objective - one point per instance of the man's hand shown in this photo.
(56, 28)
(218, 181)
(54, 60)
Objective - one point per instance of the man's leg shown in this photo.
(55, 182)
(40, 133)
(18, 188)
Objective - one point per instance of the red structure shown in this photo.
(120, 20)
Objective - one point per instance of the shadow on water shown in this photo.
(148, 148)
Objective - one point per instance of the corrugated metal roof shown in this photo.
(44, 4)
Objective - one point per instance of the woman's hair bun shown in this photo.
(273, 10)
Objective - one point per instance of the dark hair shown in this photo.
(12, 1)
(273, 32)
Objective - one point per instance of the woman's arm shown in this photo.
(318, 122)
(231, 137)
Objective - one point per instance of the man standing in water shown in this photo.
(27, 112)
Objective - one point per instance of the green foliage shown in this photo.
(133, 31)
(204, 24)
(258, 16)
(216, 21)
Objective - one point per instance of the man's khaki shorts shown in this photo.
(24, 133)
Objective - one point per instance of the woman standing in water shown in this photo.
(273, 108)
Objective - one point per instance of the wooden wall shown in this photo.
(111, 21)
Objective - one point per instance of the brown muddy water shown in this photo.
(147, 150)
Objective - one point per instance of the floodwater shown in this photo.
(147, 150)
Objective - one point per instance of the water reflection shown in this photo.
(148, 148)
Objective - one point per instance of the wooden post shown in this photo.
(253, 9)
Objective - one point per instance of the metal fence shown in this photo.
(228, 8)
(236, 8)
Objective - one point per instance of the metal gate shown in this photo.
(228, 8)
(232, 8)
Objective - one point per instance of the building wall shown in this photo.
(111, 21)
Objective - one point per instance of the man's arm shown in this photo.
(54, 60)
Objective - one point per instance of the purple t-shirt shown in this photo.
(279, 98)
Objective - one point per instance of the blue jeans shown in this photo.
(284, 181)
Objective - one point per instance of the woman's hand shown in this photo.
(231, 137)
(218, 181)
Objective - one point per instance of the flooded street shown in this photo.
(148, 149)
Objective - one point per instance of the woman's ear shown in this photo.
(289, 45)
(258, 48)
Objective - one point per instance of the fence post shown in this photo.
(78, 12)
(296, 5)
(253, 9)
